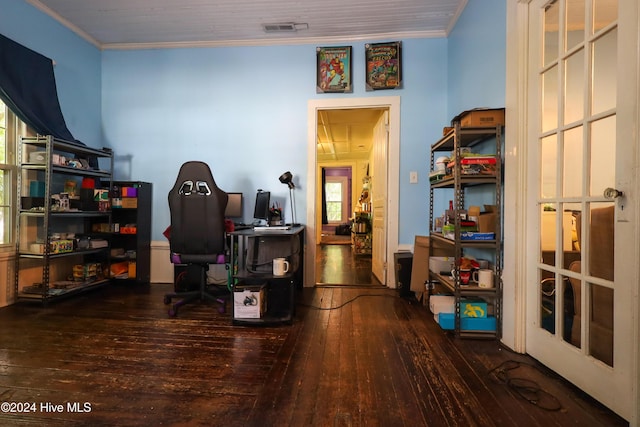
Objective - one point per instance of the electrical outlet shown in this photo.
(413, 177)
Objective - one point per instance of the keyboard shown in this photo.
(271, 228)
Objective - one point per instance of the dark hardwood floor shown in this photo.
(336, 265)
(354, 356)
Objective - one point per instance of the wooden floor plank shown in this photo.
(354, 356)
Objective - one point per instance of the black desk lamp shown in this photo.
(287, 178)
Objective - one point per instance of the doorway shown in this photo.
(314, 224)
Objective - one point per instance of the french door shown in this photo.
(582, 275)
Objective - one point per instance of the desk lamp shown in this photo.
(287, 178)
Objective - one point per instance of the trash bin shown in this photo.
(403, 262)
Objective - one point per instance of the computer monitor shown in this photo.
(234, 206)
(261, 211)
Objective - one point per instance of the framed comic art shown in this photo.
(333, 71)
(384, 65)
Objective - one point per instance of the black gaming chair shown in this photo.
(197, 234)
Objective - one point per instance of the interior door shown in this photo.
(379, 204)
(579, 292)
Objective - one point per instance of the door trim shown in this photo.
(515, 177)
(393, 178)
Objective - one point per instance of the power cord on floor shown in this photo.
(529, 390)
(347, 302)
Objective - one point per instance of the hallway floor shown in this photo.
(336, 265)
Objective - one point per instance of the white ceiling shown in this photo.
(131, 24)
(343, 135)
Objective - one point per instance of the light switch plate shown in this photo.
(413, 177)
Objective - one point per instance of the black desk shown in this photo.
(252, 253)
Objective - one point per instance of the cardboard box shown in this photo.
(249, 301)
(38, 157)
(447, 321)
(420, 267)
(481, 118)
(130, 203)
(487, 223)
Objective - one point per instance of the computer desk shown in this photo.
(255, 269)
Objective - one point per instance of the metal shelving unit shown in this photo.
(43, 271)
(454, 141)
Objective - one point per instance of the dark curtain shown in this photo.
(28, 88)
(325, 220)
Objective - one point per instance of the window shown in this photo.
(8, 132)
(336, 190)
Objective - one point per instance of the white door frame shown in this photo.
(515, 271)
(393, 161)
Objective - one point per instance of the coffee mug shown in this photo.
(465, 275)
(280, 266)
(484, 277)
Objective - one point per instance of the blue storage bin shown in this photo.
(447, 321)
(36, 189)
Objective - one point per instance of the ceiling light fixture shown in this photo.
(284, 27)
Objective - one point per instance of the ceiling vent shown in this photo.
(284, 27)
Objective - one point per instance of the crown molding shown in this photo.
(43, 8)
(456, 16)
(273, 41)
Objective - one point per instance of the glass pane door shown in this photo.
(577, 144)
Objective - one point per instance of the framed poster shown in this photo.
(384, 65)
(333, 71)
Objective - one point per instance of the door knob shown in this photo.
(612, 193)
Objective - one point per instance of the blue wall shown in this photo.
(243, 110)
(77, 70)
(476, 57)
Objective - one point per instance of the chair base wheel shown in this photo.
(172, 312)
(167, 300)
